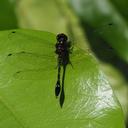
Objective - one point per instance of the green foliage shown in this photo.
(8, 19)
(57, 16)
(28, 77)
(109, 24)
(105, 24)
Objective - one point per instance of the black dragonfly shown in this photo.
(63, 50)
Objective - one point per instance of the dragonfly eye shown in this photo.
(61, 37)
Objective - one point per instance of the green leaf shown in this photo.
(27, 83)
(109, 24)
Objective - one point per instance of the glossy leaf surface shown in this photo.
(27, 82)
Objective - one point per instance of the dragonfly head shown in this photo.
(61, 37)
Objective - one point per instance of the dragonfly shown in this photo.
(63, 50)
